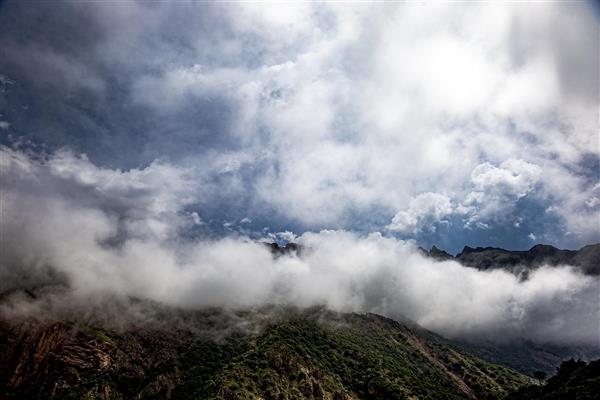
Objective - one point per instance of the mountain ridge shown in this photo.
(586, 259)
(308, 354)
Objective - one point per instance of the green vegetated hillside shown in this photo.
(303, 355)
(574, 380)
(528, 357)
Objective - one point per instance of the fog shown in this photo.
(104, 233)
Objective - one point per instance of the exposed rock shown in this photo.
(440, 255)
(586, 259)
(48, 361)
(288, 249)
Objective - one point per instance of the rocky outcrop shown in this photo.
(586, 259)
(51, 361)
(439, 254)
(287, 249)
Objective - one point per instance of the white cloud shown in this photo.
(490, 197)
(87, 241)
(148, 200)
(335, 113)
(532, 237)
(424, 212)
(287, 236)
(514, 178)
(496, 190)
(351, 109)
(196, 218)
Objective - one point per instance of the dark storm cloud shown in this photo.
(73, 65)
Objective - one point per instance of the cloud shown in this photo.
(103, 232)
(196, 218)
(325, 116)
(513, 177)
(491, 197)
(286, 236)
(446, 124)
(496, 190)
(425, 210)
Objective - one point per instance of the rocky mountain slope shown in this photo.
(587, 259)
(311, 354)
(574, 380)
(528, 357)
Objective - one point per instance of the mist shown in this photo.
(99, 233)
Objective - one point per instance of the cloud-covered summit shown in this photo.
(74, 234)
(435, 122)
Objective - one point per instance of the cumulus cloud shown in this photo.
(424, 211)
(286, 236)
(491, 197)
(324, 115)
(496, 190)
(107, 232)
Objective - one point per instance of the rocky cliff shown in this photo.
(587, 259)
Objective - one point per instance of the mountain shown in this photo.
(216, 354)
(436, 254)
(574, 380)
(287, 249)
(526, 356)
(587, 259)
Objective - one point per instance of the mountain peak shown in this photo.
(439, 254)
(543, 249)
(587, 259)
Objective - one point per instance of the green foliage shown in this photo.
(574, 380)
(96, 332)
(540, 376)
(361, 356)
(308, 354)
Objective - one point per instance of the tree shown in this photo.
(540, 376)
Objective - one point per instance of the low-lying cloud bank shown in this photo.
(103, 231)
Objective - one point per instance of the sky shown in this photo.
(146, 146)
(442, 123)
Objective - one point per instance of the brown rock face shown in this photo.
(47, 361)
(28, 358)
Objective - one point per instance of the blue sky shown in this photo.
(443, 124)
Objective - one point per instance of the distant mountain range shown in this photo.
(587, 259)
(284, 353)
